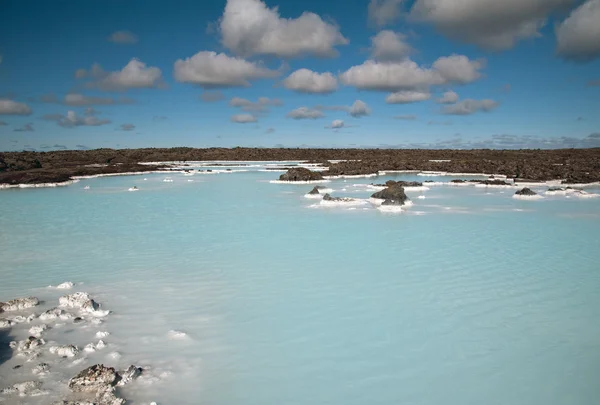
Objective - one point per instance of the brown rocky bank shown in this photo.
(573, 165)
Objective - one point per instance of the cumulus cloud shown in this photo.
(458, 68)
(406, 117)
(578, 37)
(135, 75)
(307, 81)
(389, 46)
(243, 118)
(490, 24)
(10, 107)
(470, 106)
(216, 70)
(259, 106)
(448, 97)
(384, 12)
(304, 113)
(336, 124)
(249, 27)
(123, 37)
(407, 96)
(405, 75)
(408, 75)
(25, 128)
(72, 120)
(359, 109)
(127, 127)
(212, 96)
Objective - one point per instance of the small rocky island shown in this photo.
(300, 174)
(392, 195)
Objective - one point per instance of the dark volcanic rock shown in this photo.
(314, 191)
(458, 181)
(94, 378)
(390, 183)
(526, 191)
(300, 174)
(393, 193)
(493, 182)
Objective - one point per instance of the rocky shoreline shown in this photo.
(97, 384)
(569, 165)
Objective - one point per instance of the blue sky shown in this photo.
(421, 73)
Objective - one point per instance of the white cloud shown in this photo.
(135, 75)
(72, 120)
(389, 46)
(384, 12)
(243, 118)
(249, 27)
(359, 109)
(217, 70)
(307, 81)
(578, 37)
(458, 68)
(470, 106)
(123, 37)
(76, 99)
(407, 75)
(491, 24)
(259, 106)
(448, 97)
(406, 97)
(380, 76)
(10, 107)
(336, 124)
(303, 113)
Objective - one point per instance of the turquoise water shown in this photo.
(467, 297)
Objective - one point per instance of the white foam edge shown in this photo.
(345, 202)
(379, 201)
(352, 176)
(314, 196)
(6, 186)
(299, 182)
(390, 208)
(527, 197)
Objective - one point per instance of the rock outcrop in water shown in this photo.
(314, 191)
(393, 195)
(300, 174)
(19, 303)
(526, 192)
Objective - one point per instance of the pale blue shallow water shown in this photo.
(468, 297)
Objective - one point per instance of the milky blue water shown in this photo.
(468, 297)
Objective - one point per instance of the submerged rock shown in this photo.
(526, 191)
(390, 201)
(300, 174)
(393, 193)
(37, 330)
(65, 351)
(79, 300)
(27, 345)
(55, 313)
(94, 378)
(41, 368)
(65, 286)
(24, 389)
(128, 375)
(19, 303)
